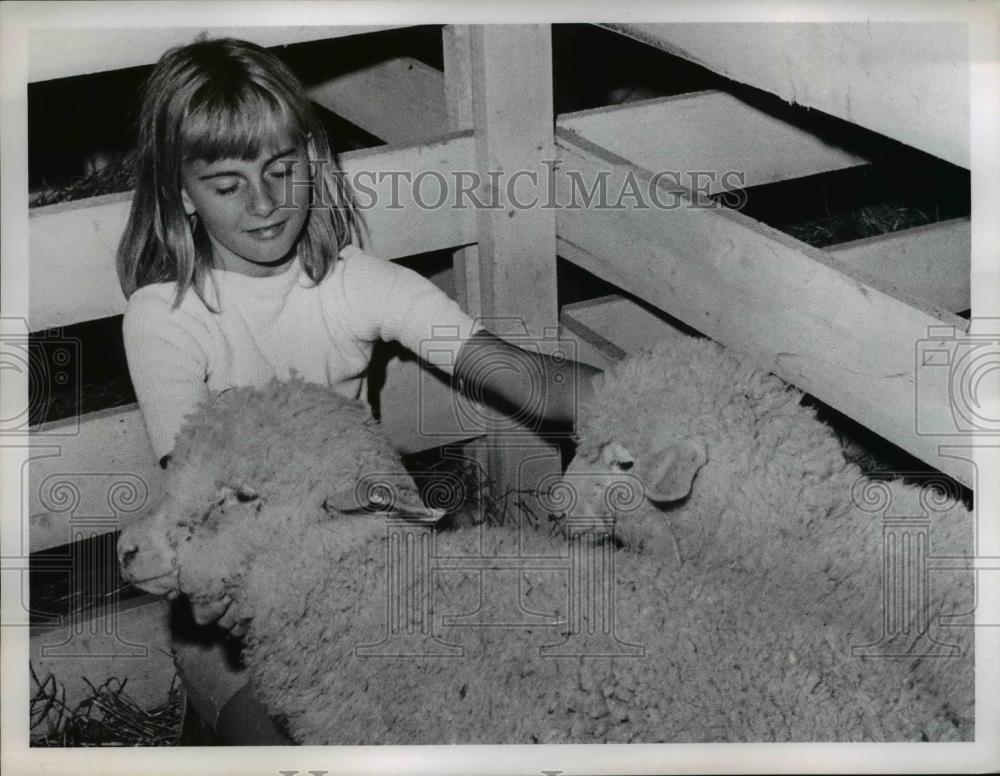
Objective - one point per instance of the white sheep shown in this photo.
(735, 473)
(265, 507)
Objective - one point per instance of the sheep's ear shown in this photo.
(401, 501)
(345, 501)
(409, 505)
(675, 469)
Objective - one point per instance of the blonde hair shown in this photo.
(211, 100)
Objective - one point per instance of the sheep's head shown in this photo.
(683, 438)
(252, 468)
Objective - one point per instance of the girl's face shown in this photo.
(252, 210)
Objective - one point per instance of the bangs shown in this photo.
(239, 121)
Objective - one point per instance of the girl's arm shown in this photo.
(385, 300)
(167, 364)
(520, 380)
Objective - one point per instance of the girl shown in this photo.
(240, 263)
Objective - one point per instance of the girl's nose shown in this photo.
(262, 200)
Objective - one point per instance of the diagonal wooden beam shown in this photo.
(401, 100)
(723, 140)
(933, 262)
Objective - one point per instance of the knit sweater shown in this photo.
(267, 327)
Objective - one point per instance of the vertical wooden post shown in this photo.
(498, 80)
(514, 121)
(457, 42)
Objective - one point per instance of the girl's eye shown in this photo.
(227, 187)
(283, 170)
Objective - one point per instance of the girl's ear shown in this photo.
(188, 204)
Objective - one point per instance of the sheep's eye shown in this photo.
(245, 496)
(625, 465)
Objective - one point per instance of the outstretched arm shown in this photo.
(513, 378)
(516, 380)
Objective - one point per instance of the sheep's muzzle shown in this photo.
(146, 557)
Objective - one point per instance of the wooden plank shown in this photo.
(91, 474)
(828, 328)
(58, 53)
(400, 101)
(71, 273)
(908, 81)
(617, 326)
(711, 133)
(72, 245)
(933, 262)
(590, 347)
(129, 643)
(408, 223)
(512, 111)
(456, 42)
(456, 45)
(456, 49)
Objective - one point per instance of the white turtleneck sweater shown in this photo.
(269, 326)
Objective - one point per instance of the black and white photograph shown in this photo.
(424, 388)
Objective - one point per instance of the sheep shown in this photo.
(269, 504)
(735, 472)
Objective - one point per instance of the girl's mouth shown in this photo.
(268, 232)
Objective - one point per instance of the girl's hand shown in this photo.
(488, 363)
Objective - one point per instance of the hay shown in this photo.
(108, 716)
(461, 486)
(866, 221)
(118, 175)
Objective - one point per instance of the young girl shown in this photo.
(240, 264)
